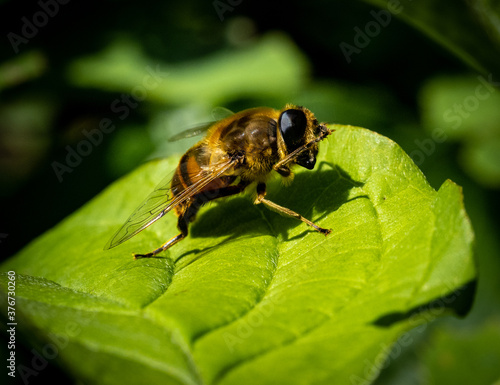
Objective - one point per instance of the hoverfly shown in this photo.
(237, 151)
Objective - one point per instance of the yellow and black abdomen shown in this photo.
(249, 135)
(194, 166)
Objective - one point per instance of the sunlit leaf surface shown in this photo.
(251, 297)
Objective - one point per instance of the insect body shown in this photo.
(237, 151)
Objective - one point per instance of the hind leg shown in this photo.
(182, 225)
(189, 214)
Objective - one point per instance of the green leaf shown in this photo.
(250, 296)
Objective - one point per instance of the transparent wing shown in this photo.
(189, 133)
(161, 201)
(218, 113)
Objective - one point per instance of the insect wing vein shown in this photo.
(148, 212)
(161, 201)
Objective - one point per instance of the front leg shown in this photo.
(284, 171)
(261, 193)
(324, 132)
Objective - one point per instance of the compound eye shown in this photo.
(292, 125)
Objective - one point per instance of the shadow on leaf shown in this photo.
(324, 191)
(459, 301)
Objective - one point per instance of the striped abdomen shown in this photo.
(251, 134)
(193, 166)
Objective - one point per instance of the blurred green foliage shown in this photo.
(71, 75)
(467, 110)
